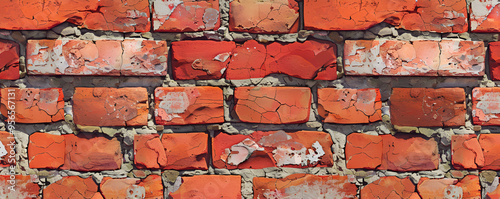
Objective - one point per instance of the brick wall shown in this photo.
(249, 99)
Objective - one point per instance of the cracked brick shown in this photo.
(466, 153)
(100, 106)
(209, 186)
(363, 151)
(7, 149)
(485, 16)
(423, 15)
(416, 58)
(485, 106)
(33, 105)
(491, 151)
(24, 187)
(389, 187)
(149, 152)
(185, 15)
(113, 15)
(428, 107)
(186, 151)
(46, 150)
(87, 152)
(494, 60)
(304, 186)
(269, 16)
(349, 106)
(272, 105)
(409, 153)
(144, 58)
(188, 105)
(261, 149)
(148, 188)
(9, 60)
(470, 186)
(72, 187)
(439, 188)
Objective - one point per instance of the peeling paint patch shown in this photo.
(486, 106)
(185, 15)
(484, 16)
(144, 58)
(25, 187)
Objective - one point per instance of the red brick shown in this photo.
(269, 16)
(409, 153)
(188, 105)
(363, 151)
(428, 107)
(272, 149)
(114, 15)
(349, 106)
(87, 152)
(149, 152)
(309, 60)
(417, 58)
(24, 187)
(100, 106)
(33, 105)
(491, 151)
(273, 105)
(144, 58)
(46, 150)
(301, 185)
(425, 15)
(186, 151)
(484, 16)
(466, 153)
(185, 15)
(494, 61)
(200, 59)
(470, 186)
(154, 187)
(439, 188)
(9, 60)
(389, 187)
(148, 188)
(71, 187)
(7, 149)
(486, 106)
(209, 186)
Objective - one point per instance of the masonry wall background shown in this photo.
(250, 99)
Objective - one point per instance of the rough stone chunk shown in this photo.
(269, 16)
(114, 15)
(188, 105)
(7, 149)
(494, 62)
(149, 152)
(349, 106)
(273, 105)
(428, 107)
(363, 151)
(24, 187)
(200, 59)
(71, 187)
(389, 187)
(491, 151)
(32, 105)
(272, 149)
(409, 153)
(87, 152)
(422, 15)
(148, 188)
(101, 106)
(209, 186)
(185, 15)
(485, 16)
(304, 186)
(9, 60)
(466, 152)
(486, 106)
(46, 150)
(144, 58)
(416, 58)
(186, 151)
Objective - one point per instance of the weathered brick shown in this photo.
(428, 107)
(114, 15)
(185, 15)
(32, 105)
(468, 187)
(209, 186)
(416, 58)
(148, 188)
(363, 151)
(304, 186)
(22, 188)
(269, 16)
(72, 187)
(424, 15)
(99, 106)
(389, 187)
(149, 152)
(485, 106)
(485, 16)
(144, 58)
(491, 151)
(87, 152)
(188, 105)
(7, 149)
(9, 60)
(271, 149)
(466, 153)
(186, 151)
(409, 153)
(46, 150)
(494, 61)
(349, 106)
(273, 105)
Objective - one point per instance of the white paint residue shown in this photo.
(489, 103)
(172, 104)
(136, 192)
(286, 155)
(3, 151)
(241, 151)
